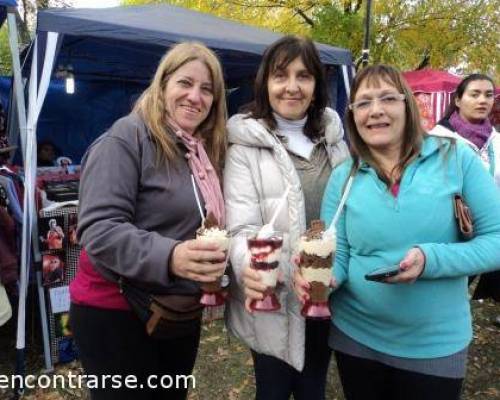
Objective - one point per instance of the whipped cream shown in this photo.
(321, 247)
(215, 235)
(269, 277)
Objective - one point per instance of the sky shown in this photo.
(95, 3)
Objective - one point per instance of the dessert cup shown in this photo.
(316, 252)
(213, 294)
(265, 256)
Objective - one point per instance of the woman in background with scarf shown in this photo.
(138, 218)
(466, 119)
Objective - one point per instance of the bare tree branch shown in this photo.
(308, 20)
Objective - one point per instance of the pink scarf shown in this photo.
(204, 173)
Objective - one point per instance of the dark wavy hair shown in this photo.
(413, 130)
(461, 88)
(277, 56)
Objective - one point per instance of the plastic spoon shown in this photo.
(198, 201)
(267, 230)
(331, 231)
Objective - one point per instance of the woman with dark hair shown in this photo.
(407, 339)
(288, 138)
(137, 223)
(466, 119)
(46, 154)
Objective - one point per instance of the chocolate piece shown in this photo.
(314, 261)
(318, 292)
(264, 265)
(211, 222)
(316, 230)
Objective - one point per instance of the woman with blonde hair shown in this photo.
(138, 220)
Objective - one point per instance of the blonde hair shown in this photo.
(152, 108)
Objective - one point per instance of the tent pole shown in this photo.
(25, 258)
(38, 91)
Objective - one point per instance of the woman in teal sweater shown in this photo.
(407, 339)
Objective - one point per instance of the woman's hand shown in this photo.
(198, 261)
(301, 286)
(411, 267)
(253, 287)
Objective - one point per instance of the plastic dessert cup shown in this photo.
(265, 255)
(213, 294)
(316, 252)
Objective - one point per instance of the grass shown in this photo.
(224, 367)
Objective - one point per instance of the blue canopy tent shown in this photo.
(112, 55)
(3, 9)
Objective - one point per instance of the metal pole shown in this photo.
(365, 54)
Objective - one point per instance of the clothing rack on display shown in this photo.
(12, 181)
(66, 255)
(11, 218)
(58, 258)
(57, 345)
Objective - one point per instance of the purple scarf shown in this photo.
(475, 133)
(204, 173)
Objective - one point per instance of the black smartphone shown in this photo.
(380, 274)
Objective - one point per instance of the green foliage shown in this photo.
(289, 16)
(334, 26)
(409, 34)
(5, 57)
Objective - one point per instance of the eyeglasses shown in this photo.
(385, 101)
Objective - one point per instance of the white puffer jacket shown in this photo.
(490, 153)
(257, 172)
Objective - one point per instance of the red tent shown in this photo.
(433, 90)
(429, 81)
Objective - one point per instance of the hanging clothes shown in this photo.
(8, 255)
(5, 307)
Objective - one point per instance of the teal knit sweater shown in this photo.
(430, 318)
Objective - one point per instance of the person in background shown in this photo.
(467, 119)
(46, 154)
(288, 137)
(5, 148)
(5, 151)
(138, 219)
(405, 337)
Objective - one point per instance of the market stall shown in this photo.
(87, 68)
